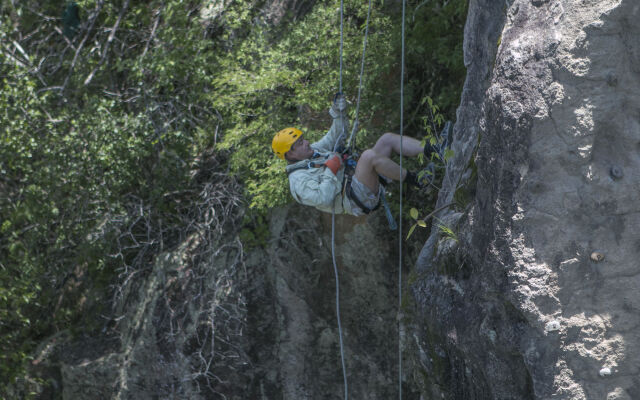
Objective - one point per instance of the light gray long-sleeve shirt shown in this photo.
(318, 186)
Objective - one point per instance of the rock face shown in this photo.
(540, 298)
(261, 328)
(293, 313)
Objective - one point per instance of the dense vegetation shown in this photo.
(111, 110)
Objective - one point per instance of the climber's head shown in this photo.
(287, 146)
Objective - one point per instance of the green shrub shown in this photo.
(99, 143)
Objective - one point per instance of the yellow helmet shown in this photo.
(284, 139)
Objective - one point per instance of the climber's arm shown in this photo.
(339, 128)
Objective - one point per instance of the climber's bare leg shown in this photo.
(390, 141)
(371, 164)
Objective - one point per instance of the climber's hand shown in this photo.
(334, 164)
(339, 106)
(339, 102)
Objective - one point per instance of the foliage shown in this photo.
(447, 231)
(91, 168)
(413, 212)
(106, 122)
(431, 123)
(435, 57)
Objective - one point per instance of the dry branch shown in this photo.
(108, 44)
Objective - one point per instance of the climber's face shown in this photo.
(300, 150)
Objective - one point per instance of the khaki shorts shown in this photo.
(364, 195)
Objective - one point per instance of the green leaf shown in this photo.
(422, 223)
(411, 230)
(414, 213)
(448, 154)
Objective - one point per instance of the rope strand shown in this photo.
(335, 270)
(341, 39)
(351, 143)
(333, 211)
(333, 226)
(400, 230)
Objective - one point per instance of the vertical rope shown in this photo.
(341, 39)
(364, 51)
(335, 270)
(400, 230)
(333, 227)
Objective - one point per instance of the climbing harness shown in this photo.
(347, 190)
(310, 164)
(352, 196)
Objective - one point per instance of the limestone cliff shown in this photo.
(539, 299)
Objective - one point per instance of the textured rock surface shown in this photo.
(285, 343)
(521, 310)
(164, 346)
(293, 310)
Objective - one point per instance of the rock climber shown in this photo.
(317, 171)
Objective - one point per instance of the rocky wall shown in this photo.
(539, 298)
(292, 314)
(254, 323)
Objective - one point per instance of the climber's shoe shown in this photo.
(429, 149)
(421, 179)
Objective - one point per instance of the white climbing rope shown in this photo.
(364, 51)
(400, 230)
(333, 210)
(333, 227)
(341, 39)
(335, 270)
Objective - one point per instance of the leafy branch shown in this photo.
(422, 222)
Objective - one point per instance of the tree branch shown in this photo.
(108, 44)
